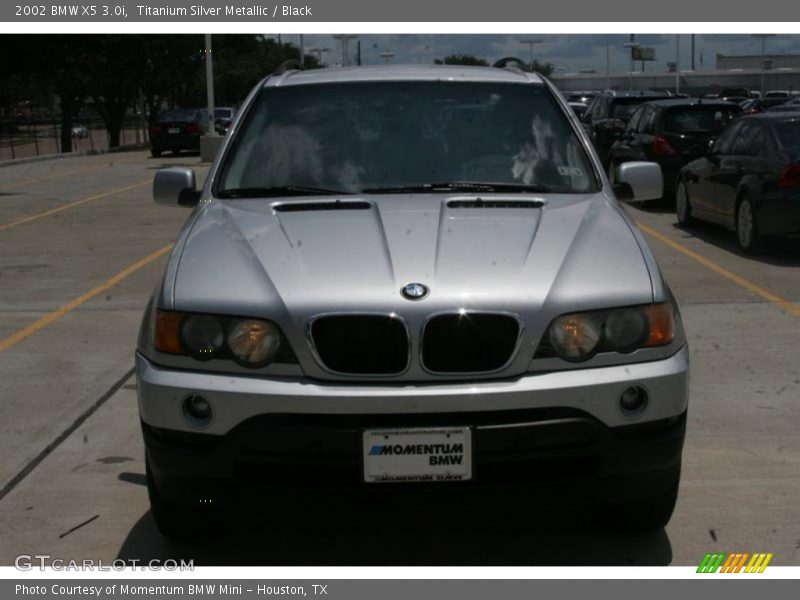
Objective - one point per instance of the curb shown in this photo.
(96, 152)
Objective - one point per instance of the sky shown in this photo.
(568, 53)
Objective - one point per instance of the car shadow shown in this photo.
(362, 533)
(777, 251)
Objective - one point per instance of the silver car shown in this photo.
(410, 279)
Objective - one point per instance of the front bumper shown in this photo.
(562, 430)
(236, 398)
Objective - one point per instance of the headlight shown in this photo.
(579, 336)
(253, 342)
(575, 337)
(250, 342)
(202, 336)
(626, 329)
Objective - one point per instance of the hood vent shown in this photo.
(318, 206)
(481, 203)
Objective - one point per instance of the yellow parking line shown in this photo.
(44, 321)
(792, 309)
(55, 176)
(69, 205)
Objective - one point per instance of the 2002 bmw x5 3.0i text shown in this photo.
(405, 279)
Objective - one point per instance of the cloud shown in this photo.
(571, 52)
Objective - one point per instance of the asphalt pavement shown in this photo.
(81, 247)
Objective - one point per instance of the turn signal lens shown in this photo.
(167, 333)
(662, 324)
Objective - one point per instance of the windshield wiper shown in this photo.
(459, 186)
(279, 190)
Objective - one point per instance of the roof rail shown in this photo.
(291, 64)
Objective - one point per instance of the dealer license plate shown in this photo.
(417, 455)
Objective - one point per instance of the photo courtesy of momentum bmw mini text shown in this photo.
(427, 299)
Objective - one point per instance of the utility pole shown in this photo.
(210, 86)
(530, 43)
(345, 39)
(302, 53)
(692, 52)
(631, 45)
(677, 64)
(608, 63)
(763, 37)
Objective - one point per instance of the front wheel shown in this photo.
(746, 226)
(683, 207)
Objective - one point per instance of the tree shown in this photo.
(59, 65)
(469, 60)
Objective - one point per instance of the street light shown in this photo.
(631, 45)
(763, 37)
(530, 43)
(387, 56)
(345, 39)
(319, 52)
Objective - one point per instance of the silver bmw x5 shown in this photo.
(405, 279)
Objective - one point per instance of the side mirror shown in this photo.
(175, 185)
(639, 181)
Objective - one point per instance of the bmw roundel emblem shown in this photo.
(415, 291)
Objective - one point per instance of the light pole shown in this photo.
(345, 39)
(763, 37)
(530, 43)
(319, 52)
(631, 45)
(387, 56)
(608, 62)
(677, 64)
(211, 131)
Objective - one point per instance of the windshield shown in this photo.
(375, 137)
(789, 135)
(181, 114)
(623, 107)
(700, 120)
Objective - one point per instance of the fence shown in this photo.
(24, 138)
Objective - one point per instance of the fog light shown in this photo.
(633, 399)
(197, 409)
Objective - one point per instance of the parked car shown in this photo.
(778, 94)
(671, 133)
(409, 279)
(757, 105)
(608, 114)
(749, 180)
(579, 108)
(223, 119)
(584, 97)
(80, 131)
(735, 92)
(177, 130)
(790, 106)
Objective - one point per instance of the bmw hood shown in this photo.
(303, 256)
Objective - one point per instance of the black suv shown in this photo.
(671, 133)
(607, 115)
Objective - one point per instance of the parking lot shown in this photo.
(81, 247)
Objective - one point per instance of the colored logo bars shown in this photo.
(734, 563)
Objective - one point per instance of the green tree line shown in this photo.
(115, 73)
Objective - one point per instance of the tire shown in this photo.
(155, 152)
(683, 207)
(644, 515)
(747, 227)
(179, 522)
